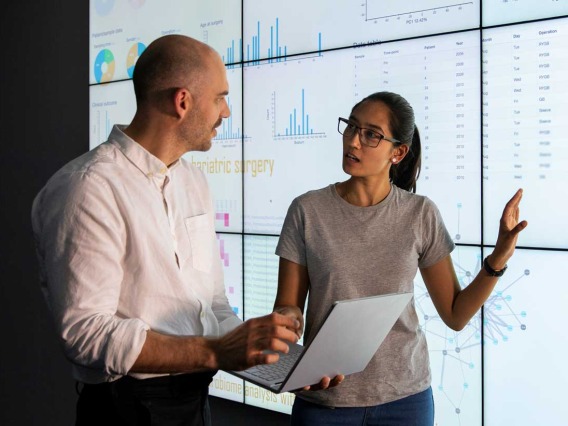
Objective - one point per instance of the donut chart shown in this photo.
(104, 66)
(133, 54)
(104, 7)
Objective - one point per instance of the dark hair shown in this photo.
(402, 126)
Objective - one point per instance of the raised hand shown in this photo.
(509, 229)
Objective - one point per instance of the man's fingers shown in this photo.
(267, 358)
(279, 345)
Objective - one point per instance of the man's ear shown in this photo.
(183, 101)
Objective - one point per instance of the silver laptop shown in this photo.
(345, 343)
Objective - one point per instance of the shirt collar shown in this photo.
(147, 163)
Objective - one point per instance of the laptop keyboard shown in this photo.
(278, 371)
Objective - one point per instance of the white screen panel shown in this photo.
(525, 87)
(274, 29)
(525, 345)
(291, 118)
(496, 12)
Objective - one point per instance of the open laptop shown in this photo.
(350, 335)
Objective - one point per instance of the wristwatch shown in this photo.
(491, 271)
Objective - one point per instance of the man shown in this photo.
(128, 257)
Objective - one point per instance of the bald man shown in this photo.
(128, 258)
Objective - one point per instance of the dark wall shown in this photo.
(44, 122)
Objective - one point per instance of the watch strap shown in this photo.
(491, 271)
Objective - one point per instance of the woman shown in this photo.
(367, 236)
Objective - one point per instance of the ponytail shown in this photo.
(405, 174)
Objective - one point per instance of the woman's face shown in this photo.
(363, 161)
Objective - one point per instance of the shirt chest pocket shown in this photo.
(201, 241)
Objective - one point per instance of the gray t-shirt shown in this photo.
(353, 252)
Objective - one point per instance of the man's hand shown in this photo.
(255, 342)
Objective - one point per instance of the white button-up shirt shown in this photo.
(127, 244)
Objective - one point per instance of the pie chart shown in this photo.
(133, 54)
(104, 66)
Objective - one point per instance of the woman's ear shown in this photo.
(399, 153)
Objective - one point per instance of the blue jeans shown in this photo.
(414, 410)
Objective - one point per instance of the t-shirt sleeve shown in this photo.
(292, 244)
(436, 240)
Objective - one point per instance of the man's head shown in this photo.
(180, 85)
(168, 63)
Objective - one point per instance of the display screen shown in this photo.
(488, 85)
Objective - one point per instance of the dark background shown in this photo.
(44, 123)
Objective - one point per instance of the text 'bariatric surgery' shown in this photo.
(217, 166)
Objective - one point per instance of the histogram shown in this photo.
(298, 120)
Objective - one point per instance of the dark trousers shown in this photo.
(179, 400)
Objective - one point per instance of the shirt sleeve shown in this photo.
(436, 240)
(81, 242)
(292, 244)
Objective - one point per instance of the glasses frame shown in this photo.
(362, 137)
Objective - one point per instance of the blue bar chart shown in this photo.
(233, 53)
(298, 120)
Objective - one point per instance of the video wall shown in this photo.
(490, 93)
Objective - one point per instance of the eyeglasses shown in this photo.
(368, 137)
